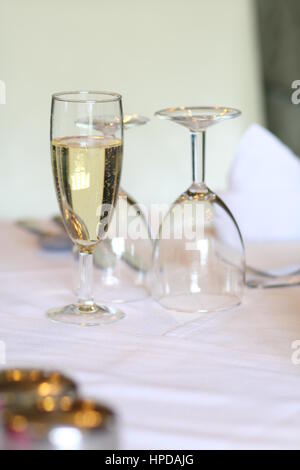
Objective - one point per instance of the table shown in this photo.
(226, 381)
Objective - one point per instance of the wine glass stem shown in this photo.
(85, 291)
(198, 157)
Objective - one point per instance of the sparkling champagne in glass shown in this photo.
(86, 167)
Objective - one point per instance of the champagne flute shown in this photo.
(86, 167)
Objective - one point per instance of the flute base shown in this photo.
(97, 315)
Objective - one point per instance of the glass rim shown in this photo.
(107, 96)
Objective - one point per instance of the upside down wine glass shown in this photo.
(124, 258)
(86, 166)
(198, 261)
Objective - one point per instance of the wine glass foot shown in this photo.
(200, 303)
(98, 316)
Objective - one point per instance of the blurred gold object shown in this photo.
(25, 387)
(60, 423)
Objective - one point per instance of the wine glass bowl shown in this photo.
(198, 261)
(125, 258)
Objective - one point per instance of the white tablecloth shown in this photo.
(225, 381)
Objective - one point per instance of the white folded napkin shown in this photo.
(264, 187)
